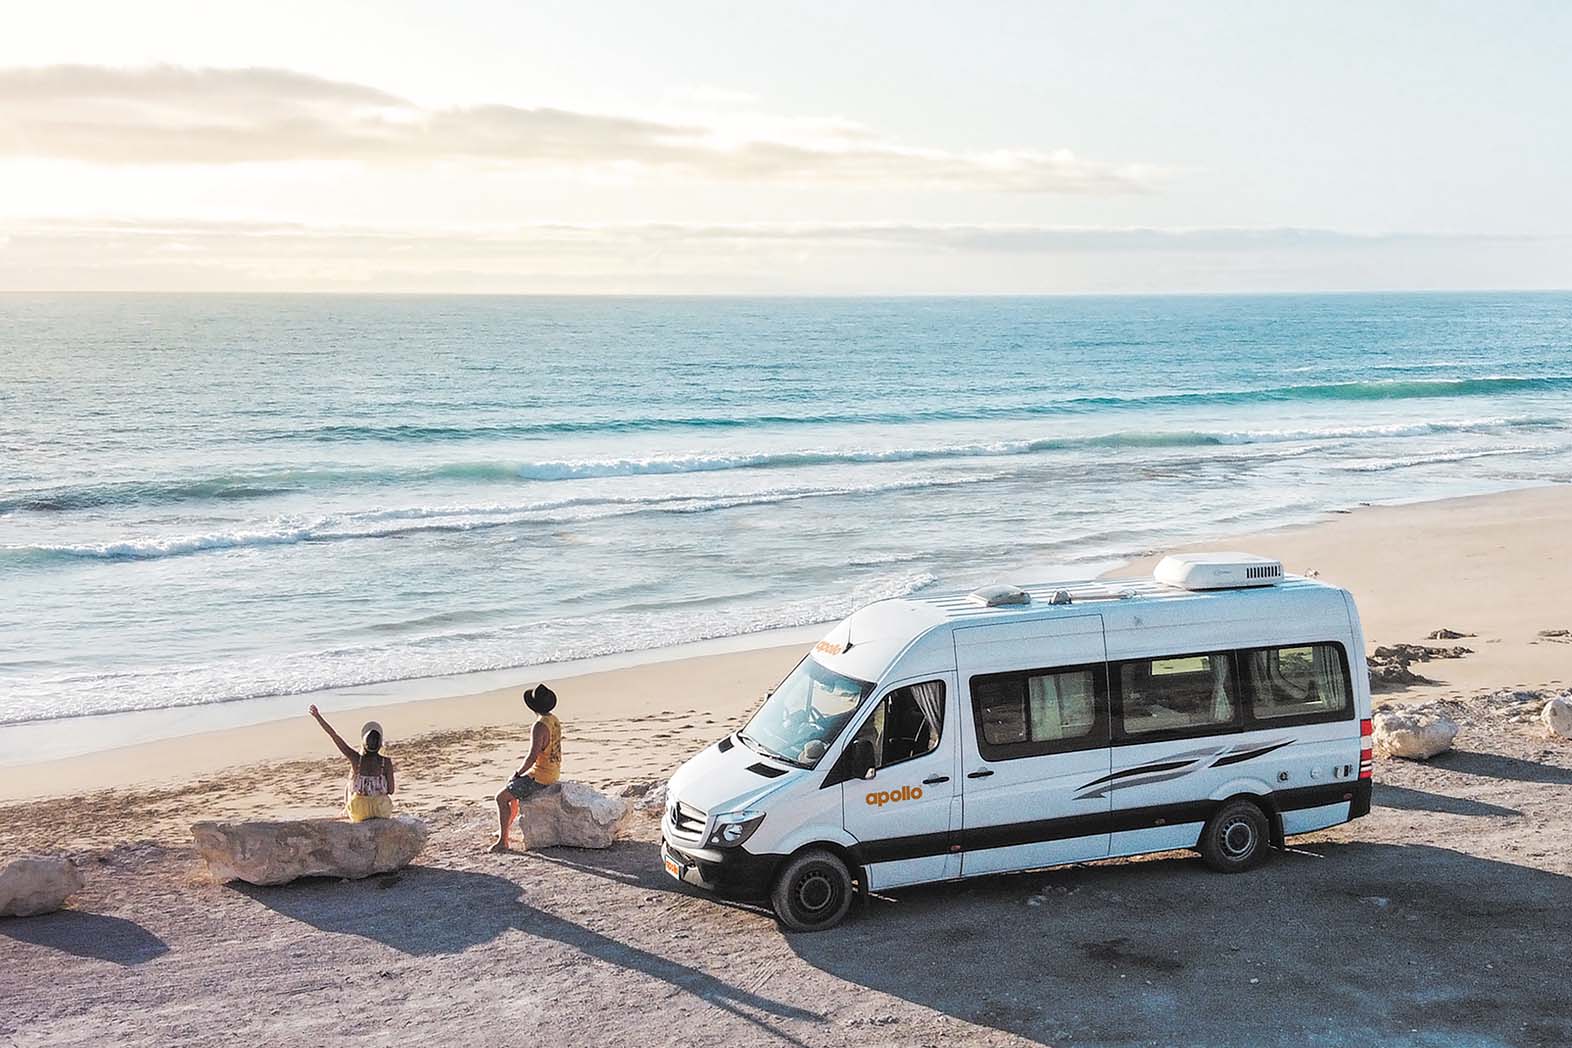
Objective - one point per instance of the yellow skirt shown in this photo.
(359, 807)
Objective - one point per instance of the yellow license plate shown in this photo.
(673, 867)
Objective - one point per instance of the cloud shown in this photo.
(166, 115)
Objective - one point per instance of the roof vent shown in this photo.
(1213, 571)
(999, 596)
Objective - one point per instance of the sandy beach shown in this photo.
(1470, 847)
(1495, 566)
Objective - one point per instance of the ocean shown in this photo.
(206, 499)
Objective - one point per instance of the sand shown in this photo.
(1441, 919)
(1496, 566)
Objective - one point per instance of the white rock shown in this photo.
(1557, 715)
(1413, 734)
(37, 884)
(278, 852)
(572, 815)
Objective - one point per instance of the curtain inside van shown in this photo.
(1327, 662)
(1222, 706)
(930, 699)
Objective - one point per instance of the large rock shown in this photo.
(37, 884)
(647, 798)
(278, 852)
(1557, 715)
(1415, 734)
(572, 815)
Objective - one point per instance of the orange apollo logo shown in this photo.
(905, 793)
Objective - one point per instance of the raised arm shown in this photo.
(343, 747)
(540, 738)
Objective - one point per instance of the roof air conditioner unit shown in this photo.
(999, 596)
(1213, 571)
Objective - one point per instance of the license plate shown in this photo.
(673, 867)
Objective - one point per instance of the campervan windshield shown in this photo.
(805, 714)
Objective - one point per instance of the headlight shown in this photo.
(734, 827)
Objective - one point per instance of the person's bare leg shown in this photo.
(506, 806)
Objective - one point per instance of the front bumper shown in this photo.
(732, 872)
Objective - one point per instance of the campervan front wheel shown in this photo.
(813, 891)
(1236, 837)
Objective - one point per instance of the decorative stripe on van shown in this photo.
(1177, 766)
(1037, 831)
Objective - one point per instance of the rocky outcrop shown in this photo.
(1415, 734)
(572, 815)
(1445, 634)
(647, 798)
(37, 884)
(1518, 706)
(1419, 652)
(1389, 663)
(1557, 715)
(279, 852)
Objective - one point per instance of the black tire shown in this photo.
(813, 891)
(1236, 838)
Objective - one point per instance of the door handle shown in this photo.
(932, 779)
(979, 774)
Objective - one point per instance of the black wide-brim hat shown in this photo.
(541, 699)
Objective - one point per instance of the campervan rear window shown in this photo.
(1305, 680)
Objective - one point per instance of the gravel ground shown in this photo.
(1442, 919)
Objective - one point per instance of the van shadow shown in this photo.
(1327, 944)
(628, 863)
(1405, 799)
(425, 911)
(93, 935)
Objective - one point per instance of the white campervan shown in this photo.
(1220, 705)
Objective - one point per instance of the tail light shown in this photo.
(1366, 748)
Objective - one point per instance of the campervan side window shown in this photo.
(1040, 711)
(1176, 694)
(1308, 681)
(906, 723)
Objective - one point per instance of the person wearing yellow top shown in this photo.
(369, 792)
(541, 768)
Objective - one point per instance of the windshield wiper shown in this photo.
(759, 747)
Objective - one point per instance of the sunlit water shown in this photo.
(212, 498)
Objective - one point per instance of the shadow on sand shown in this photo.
(93, 935)
(1496, 766)
(1329, 944)
(1405, 799)
(456, 910)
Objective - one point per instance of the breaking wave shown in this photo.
(268, 483)
(1379, 389)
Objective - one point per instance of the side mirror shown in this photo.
(861, 759)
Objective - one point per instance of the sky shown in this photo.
(798, 148)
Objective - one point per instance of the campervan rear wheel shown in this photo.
(813, 891)
(1236, 837)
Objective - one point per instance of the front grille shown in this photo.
(687, 821)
